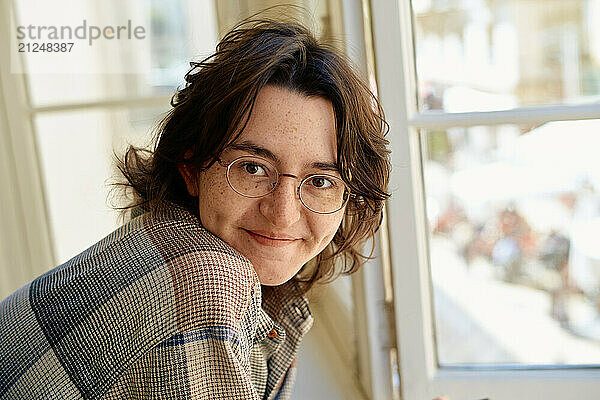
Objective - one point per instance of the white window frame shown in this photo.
(420, 376)
(372, 296)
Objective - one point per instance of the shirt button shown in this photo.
(272, 334)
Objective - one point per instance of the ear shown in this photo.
(190, 176)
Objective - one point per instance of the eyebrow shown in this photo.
(252, 148)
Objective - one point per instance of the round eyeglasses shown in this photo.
(256, 177)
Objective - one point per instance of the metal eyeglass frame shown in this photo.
(298, 192)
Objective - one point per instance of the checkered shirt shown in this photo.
(159, 309)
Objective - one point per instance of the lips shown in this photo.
(270, 238)
(271, 235)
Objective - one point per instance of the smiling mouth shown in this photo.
(270, 240)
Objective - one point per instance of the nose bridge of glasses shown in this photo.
(294, 177)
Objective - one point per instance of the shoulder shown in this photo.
(162, 267)
(211, 286)
(151, 279)
(211, 281)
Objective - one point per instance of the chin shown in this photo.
(268, 277)
(273, 283)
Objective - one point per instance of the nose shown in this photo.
(282, 207)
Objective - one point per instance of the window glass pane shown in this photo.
(514, 215)
(476, 55)
(75, 150)
(179, 31)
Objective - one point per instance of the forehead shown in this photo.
(294, 127)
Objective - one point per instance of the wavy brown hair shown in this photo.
(211, 111)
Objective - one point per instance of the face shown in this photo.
(275, 232)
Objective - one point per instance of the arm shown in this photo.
(205, 364)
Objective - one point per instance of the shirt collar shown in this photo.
(284, 307)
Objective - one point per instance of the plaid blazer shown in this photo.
(160, 308)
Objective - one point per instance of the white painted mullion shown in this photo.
(580, 384)
(406, 224)
(521, 115)
(371, 320)
(122, 102)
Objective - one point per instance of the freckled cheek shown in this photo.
(213, 199)
(221, 207)
(327, 229)
(211, 185)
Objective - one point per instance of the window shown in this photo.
(496, 195)
(64, 125)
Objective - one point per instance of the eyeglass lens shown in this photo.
(253, 177)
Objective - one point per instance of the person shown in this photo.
(267, 176)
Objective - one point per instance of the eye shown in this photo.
(321, 182)
(254, 169)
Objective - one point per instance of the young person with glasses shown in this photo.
(267, 175)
